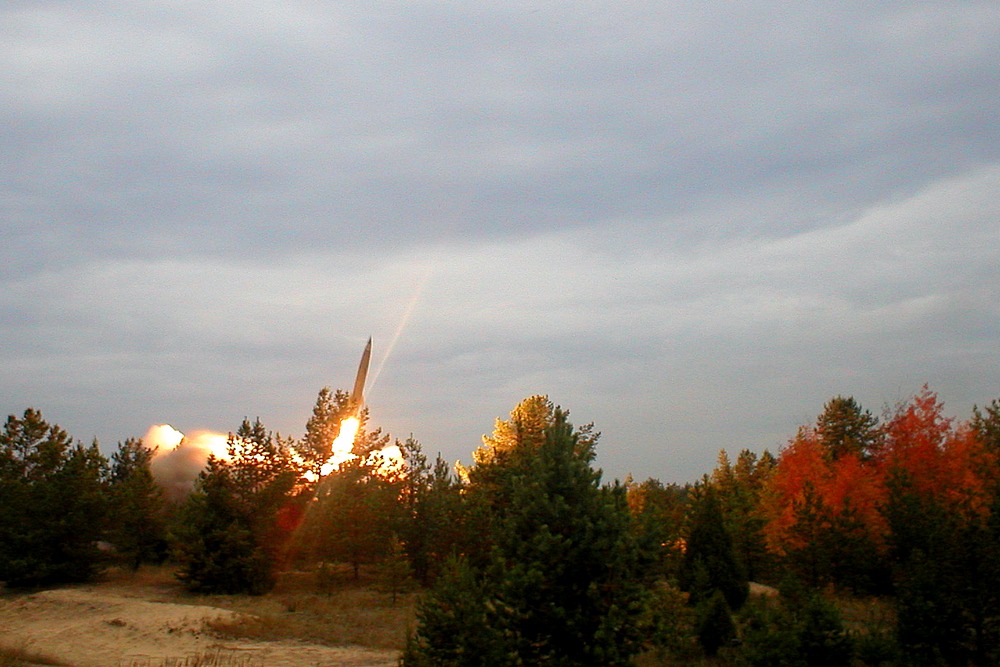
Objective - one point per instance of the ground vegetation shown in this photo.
(527, 556)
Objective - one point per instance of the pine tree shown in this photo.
(807, 554)
(228, 537)
(432, 525)
(395, 575)
(823, 641)
(947, 575)
(54, 508)
(987, 425)
(454, 625)
(845, 427)
(710, 562)
(658, 515)
(322, 428)
(137, 505)
(560, 583)
(78, 499)
(716, 627)
(739, 488)
(351, 518)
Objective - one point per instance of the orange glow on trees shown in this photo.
(823, 501)
(942, 459)
(843, 485)
(826, 501)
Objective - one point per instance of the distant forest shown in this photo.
(528, 557)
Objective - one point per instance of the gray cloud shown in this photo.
(690, 224)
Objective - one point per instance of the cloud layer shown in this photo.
(692, 225)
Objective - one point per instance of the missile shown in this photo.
(358, 395)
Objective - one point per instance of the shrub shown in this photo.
(715, 627)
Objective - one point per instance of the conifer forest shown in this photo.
(865, 540)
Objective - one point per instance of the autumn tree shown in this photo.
(944, 534)
(54, 507)
(942, 459)
(824, 498)
(138, 529)
(824, 515)
(229, 538)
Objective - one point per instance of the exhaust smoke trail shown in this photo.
(405, 319)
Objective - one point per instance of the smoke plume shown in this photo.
(179, 459)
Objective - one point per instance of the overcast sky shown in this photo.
(691, 223)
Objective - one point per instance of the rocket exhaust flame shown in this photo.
(180, 458)
(342, 449)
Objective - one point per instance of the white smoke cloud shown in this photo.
(180, 459)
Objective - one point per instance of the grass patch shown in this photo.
(154, 582)
(348, 612)
(211, 658)
(354, 616)
(862, 614)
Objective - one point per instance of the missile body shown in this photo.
(358, 395)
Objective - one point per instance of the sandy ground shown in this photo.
(91, 627)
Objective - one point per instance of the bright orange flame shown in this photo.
(198, 445)
(342, 449)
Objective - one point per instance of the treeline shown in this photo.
(527, 557)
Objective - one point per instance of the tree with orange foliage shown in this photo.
(822, 501)
(942, 459)
(944, 517)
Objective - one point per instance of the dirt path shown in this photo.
(90, 627)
